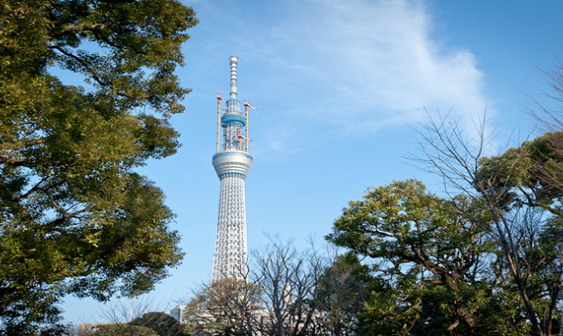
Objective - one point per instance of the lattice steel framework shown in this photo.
(232, 165)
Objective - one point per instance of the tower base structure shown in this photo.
(231, 257)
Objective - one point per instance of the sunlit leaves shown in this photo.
(75, 217)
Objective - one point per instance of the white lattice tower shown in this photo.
(232, 165)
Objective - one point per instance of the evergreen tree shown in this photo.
(75, 217)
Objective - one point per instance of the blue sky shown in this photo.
(341, 87)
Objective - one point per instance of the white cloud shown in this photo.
(371, 64)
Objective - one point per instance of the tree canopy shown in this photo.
(75, 217)
(124, 330)
(425, 260)
(161, 323)
(486, 260)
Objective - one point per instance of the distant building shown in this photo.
(179, 313)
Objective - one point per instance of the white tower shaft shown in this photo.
(231, 258)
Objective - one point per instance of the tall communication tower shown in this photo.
(232, 163)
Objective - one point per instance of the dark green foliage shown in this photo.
(427, 263)
(485, 262)
(341, 293)
(161, 323)
(123, 330)
(531, 174)
(524, 187)
(74, 215)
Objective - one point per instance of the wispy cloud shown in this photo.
(373, 62)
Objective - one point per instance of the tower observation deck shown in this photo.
(232, 163)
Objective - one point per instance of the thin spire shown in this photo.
(234, 61)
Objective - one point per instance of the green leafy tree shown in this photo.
(428, 263)
(525, 186)
(123, 330)
(161, 323)
(75, 217)
(521, 191)
(529, 175)
(341, 293)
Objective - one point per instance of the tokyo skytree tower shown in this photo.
(232, 163)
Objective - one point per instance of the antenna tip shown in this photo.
(233, 59)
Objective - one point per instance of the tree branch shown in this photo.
(12, 162)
